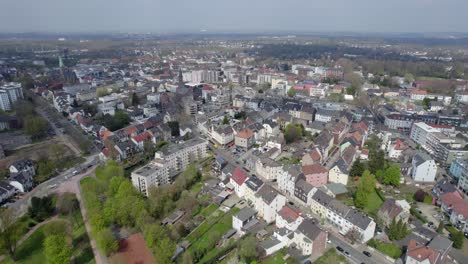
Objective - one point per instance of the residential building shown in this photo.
(315, 174)
(453, 206)
(168, 163)
(304, 191)
(245, 138)
(10, 93)
(434, 252)
(310, 238)
(243, 218)
(252, 185)
(268, 202)
(288, 218)
(238, 178)
(23, 165)
(393, 210)
(339, 173)
(458, 167)
(268, 168)
(22, 181)
(424, 169)
(6, 191)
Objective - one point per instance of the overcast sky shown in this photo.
(170, 16)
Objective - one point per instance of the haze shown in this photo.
(173, 16)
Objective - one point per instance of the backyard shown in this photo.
(388, 249)
(331, 256)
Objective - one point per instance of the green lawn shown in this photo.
(373, 204)
(81, 245)
(278, 258)
(207, 211)
(31, 250)
(331, 257)
(388, 249)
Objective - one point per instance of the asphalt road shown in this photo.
(21, 205)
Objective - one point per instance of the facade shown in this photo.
(238, 178)
(245, 138)
(168, 163)
(315, 174)
(434, 252)
(288, 218)
(6, 191)
(423, 169)
(268, 202)
(268, 168)
(242, 218)
(392, 209)
(310, 239)
(10, 93)
(339, 173)
(303, 191)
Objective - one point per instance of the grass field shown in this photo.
(278, 258)
(331, 256)
(388, 249)
(373, 204)
(207, 211)
(31, 250)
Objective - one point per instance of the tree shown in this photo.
(419, 195)
(107, 242)
(292, 133)
(225, 120)
(365, 186)
(57, 250)
(174, 125)
(59, 228)
(440, 228)
(291, 92)
(9, 230)
(164, 251)
(353, 235)
(409, 78)
(357, 169)
(4, 173)
(397, 230)
(102, 91)
(360, 199)
(45, 168)
(376, 160)
(392, 176)
(67, 204)
(135, 99)
(41, 208)
(458, 239)
(248, 249)
(35, 126)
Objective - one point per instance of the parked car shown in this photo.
(367, 253)
(340, 249)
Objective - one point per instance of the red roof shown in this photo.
(105, 134)
(400, 145)
(208, 88)
(451, 198)
(461, 208)
(289, 214)
(130, 130)
(365, 152)
(315, 155)
(239, 176)
(440, 126)
(245, 133)
(142, 137)
(314, 169)
(361, 125)
(420, 252)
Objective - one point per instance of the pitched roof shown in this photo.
(314, 169)
(239, 176)
(289, 214)
(245, 133)
(390, 208)
(358, 219)
(421, 253)
(245, 213)
(267, 193)
(309, 229)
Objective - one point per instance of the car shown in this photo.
(346, 253)
(367, 253)
(329, 241)
(340, 249)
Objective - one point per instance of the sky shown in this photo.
(240, 16)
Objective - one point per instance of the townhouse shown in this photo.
(423, 168)
(267, 168)
(315, 174)
(268, 202)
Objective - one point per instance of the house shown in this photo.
(252, 185)
(314, 156)
(242, 218)
(319, 203)
(303, 191)
(395, 150)
(238, 178)
(268, 168)
(434, 252)
(334, 189)
(339, 173)
(6, 191)
(424, 169)
(288, 218)
(393, 210)
(324, 144)
(315, 174)
(245, 138)
(453, 205)
(268, 202)
(442, 187)
(23, 165)
(22, 181)
(310, 238)
(287, 178)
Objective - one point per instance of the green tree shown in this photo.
(291, 92)
(392, 176)
(9, 230)
(409, 78)
(248, 249)
(292, 133)
(174, 125)
(41, 208)
(458, 239)
(365, 186)
(164, 251)
(59, 228)
(106, 241)
(225, 120)
(35, 126)
(360, 199)
(4, 174)
(57, 250)
(357, 169)
(440, 228)
(376, 160)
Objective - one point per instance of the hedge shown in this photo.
(418, 215)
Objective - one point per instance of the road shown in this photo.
(21, 205)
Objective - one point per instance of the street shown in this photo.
(21, 205)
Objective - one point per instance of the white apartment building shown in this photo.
(168, 163)
(268, 169)
(9, 94)
(423, 169)
(420, 132)
(201, 76)
(268, 202)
